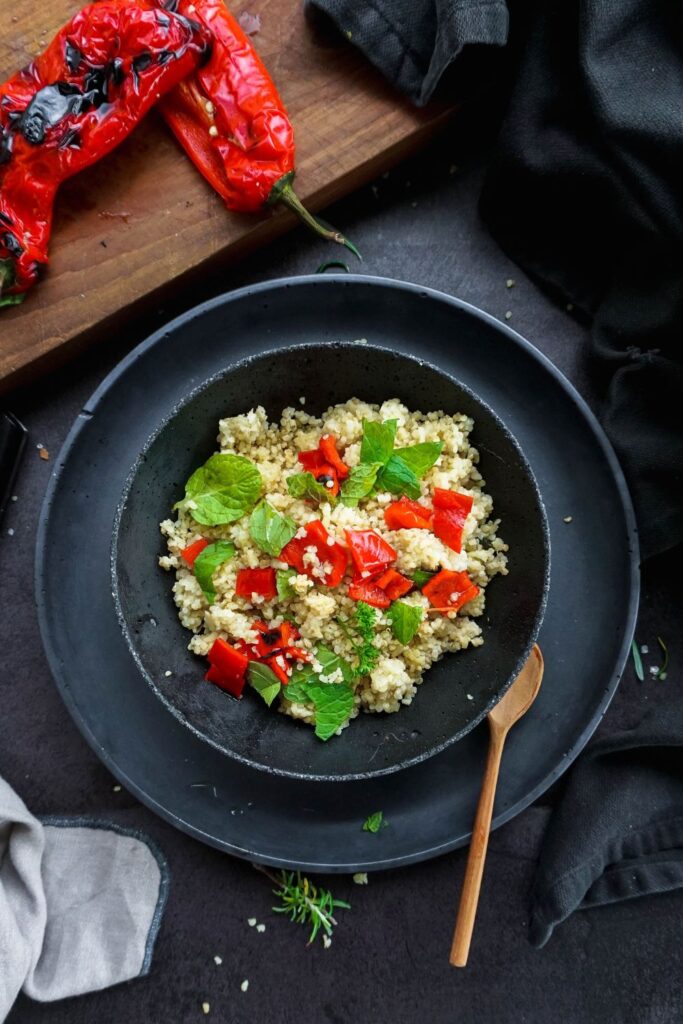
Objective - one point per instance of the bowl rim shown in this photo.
(170, 416)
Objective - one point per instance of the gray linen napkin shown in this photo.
(80, 903)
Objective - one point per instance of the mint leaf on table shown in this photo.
(208, 561)
(269, 529)
(305, 485)
(333, 703)
(359, 483)
(398, 478)
(421, 577)
(420, 457)
(264, 681)
(405, 620)
(224, 489)
(378, 440)
(374, 822)
(283, 583)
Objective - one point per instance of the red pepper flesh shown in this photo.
(256, 581)
(190, 553)
(228, 667)
(408, 515)
(394, 584)
(451, 511)
(368, 591)
(448, 591)
(71, 106)
(327, 550)
(328, 448)
(370, 552)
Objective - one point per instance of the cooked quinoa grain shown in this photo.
(321, 612)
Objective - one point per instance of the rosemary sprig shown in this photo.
(637, 661)
(304, 902)
(661, 674)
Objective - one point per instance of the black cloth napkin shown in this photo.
(585, 192)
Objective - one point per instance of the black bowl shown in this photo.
(457, 691)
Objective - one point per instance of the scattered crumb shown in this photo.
(168, 672)
(453, 169)
(249, 23)
(327, 941)
(39, 446)
(260, 927)
(117, 789)
(644, 649)
(348, 34)
(469, 696)
(374, 190)
(414, 205)
(508, 314)
(218, 960)
(568, 519)
(302, 400)
(360, 341)
(245, 985)
(361, 878)
(206, 1007)
(44, 454)
(251, 921)
(103, 244)
(15, 497)
(569, 307)
(510, 283)
(10, 532)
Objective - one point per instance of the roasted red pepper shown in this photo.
(228, 667)
(275, 648)
(450, 512)
(370, 552)
(408, 515)
(394, 584)
(328, 448)
(324, 472)
(189, 554)
(231, 122)
(327, 550)
(368, 591)
(72, 105)
(448, 591)
(256, 581)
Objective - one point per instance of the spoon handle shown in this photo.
(469, 898)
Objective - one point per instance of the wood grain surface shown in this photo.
(143, 219)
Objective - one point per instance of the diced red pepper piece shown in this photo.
(192, 550)
(370, 552)
(256, 581)
(328, 449)
(448, 591)
(228, 667)
(311, 460)
(315, 462)
(452, 499)
(451, 511)
(408, 515)
(327, 550)
(368, 591)
(394, 584)
(275, 663)
(299, 654)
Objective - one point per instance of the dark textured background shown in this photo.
(389, 958)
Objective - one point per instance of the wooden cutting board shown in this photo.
(135, 224)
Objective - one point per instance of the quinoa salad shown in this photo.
(326, 563)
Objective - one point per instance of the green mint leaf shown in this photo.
(222, 490)
(12, 300)
(331, 661)
(208, 561)
(285, 590)
(398, 478)
(359, 483)
(264, 681)
(269, 529)
(637, 661)
(374, 822)
(378, 440)
(333, 703)
(296, 687)
(421, 577)
(420, 457)
(405, 620)
(305, 485)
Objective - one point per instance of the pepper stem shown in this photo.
(282, 192)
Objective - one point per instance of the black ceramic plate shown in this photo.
(458, 690)
(585, 635)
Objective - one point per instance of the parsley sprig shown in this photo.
(304, 902)
(363, 642)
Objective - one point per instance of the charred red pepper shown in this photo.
(448, 591)
(325, 463)
(275, 648)
(71, 106)
(256, 581)
(394, 584)
(450, 512)
(408, 515)
(233, 125)
(370, 552)
(327, 551)
(189, 554)
(328, 448)
(228, 667)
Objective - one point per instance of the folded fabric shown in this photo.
(618, 830)
(80, 904)
(584, 188)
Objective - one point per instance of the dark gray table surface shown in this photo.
(389, 958)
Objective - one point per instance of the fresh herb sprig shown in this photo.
(364, 620)
(305, 903)
(374, 822)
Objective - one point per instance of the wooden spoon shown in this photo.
(514, 703)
